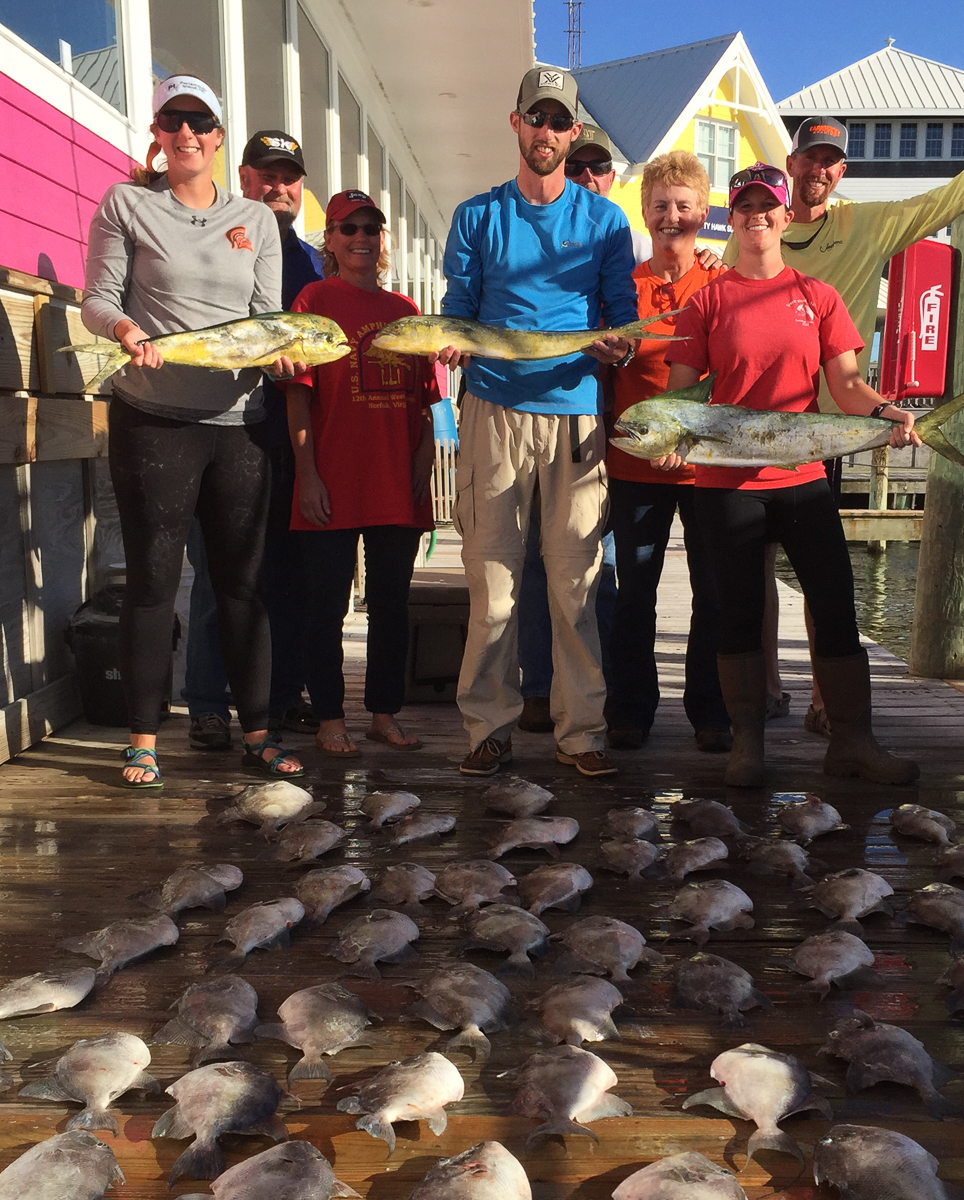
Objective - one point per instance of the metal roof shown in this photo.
(891, 82)
(637, 100)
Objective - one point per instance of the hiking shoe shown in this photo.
(210, 732)
(487, 757)
(535, 716)
(591, 763)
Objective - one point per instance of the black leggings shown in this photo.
(804, 520)
(164, 471)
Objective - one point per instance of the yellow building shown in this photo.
(707, 97)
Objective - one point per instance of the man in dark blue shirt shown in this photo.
(272, 171)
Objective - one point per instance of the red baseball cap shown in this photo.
(772, 178)
(343, 204)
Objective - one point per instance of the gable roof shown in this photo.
(636, 100)
(890, 82)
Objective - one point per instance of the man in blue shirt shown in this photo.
(538, 252)
(272, 171)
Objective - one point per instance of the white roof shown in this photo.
(888, 83)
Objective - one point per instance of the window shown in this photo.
(81, 35)
(349, 114)
(716, 150)
(314, 110)
(957, 139)
(264, 36)
(376, 181)
(425, 303)
(882, 140)
(934, 141)
(856, 139)
(908, 140)
(186, 40)
(395, 200)
(411, 249)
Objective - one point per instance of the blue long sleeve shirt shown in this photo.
(560, 266)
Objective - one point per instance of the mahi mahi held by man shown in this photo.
(429, 335)
(722, 435)
(248, 342)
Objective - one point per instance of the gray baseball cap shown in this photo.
(820, 131)
(548, 83)
(592, 137)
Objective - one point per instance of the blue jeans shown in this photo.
(642, 516)
(535, 627)
(205, 681)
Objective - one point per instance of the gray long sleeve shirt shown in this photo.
(170, 268)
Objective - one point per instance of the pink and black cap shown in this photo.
(772, 178)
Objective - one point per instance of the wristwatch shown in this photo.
(627, 358)
(879, 409)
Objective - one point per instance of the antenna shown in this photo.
(575, 33)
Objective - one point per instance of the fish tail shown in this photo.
(116, 357)
(94, 1118)
(518, 966)
(216, 1050)
(227, 962)
(472, 1039)
(378, 1127)
(202, 1160)
(853, 927)
(773, 1139)
(930, 431)
(559, 1128)
(309, 1068)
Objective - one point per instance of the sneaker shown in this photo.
(591, 763)
(210, 732)
(487, 757)
(714, 739)
(535, 716)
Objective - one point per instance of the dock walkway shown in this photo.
(74, 848)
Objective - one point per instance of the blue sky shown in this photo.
(792, 46)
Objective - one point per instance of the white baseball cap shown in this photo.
(185, 85)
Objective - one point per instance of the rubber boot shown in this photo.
(743, 681)
(853, 749)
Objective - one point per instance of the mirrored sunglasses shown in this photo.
(170, 120)
(558, 122)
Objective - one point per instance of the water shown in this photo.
(884, 586)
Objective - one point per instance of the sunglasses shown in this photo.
(598, 166)
(772, 176)
(349, 228)
(558, 122)
(170, 120)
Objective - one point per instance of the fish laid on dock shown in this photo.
(483, 1172)
(289, 1171)
(565, 1087)
(248, 342)
(429, 335)
(724, 435)
(866, 1163)
(71, 1164)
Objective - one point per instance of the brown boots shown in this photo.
(853, 750)
(743, 681)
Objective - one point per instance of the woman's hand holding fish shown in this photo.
(450, 357)
(668, 462)
(135, 341)
(283, 368)
(609, 349)
(313, 498)
(903, 433)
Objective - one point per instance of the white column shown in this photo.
(233, 100)
(135, 31)
(291, 65)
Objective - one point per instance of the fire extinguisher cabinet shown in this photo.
(917, 328)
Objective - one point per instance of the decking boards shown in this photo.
(74, 847)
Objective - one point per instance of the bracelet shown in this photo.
(627, 358)
(879, 409)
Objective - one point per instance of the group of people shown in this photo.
(294, 468)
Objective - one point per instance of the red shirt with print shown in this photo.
(767, 339)
(366, 412)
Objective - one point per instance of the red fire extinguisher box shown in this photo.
(917, 327)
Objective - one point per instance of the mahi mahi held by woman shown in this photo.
(722, 435)
(248, 342)
(429, 335)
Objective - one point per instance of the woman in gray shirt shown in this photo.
(170, 252)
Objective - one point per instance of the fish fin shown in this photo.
(93, 1118)
(378, 1127)
(218, 1050)
(309, 1068)
(813, 1103)
(472, 1039)
(76, 945)
(517, 966)
(573, 964)
(699, 393)
(201, 1160)
(150, 898)
(407, 954)
(762, 1000)
(853, 927)
(342, 1189)
(273, 1128)
(437, 1121)
(227, 816)
(800, 882)
(116, 357)
(773, 1139)
(280, 941)
(939, 1106)
(216, 903)
(423, 1011)
(146, 1083)
(571, 905)
(604, 1106)
(929, 428)
(364, 970)
(715, 1097)
(177, 1033)
(275, 1032)
(819, 986)
(559, 1128)
(230, 962)
(5, 1055)
(172, 1124)
(734, 1020)
(46, 1089)
(941, 1074)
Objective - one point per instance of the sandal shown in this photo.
(254, 762)
(350, 750)
(384, 737)
(145, 757)
(816, 721)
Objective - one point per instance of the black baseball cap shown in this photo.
(820, 131)
(272, 145)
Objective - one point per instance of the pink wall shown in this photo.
(53, 173)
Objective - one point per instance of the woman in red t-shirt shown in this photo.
(364, 446)
(767, 330)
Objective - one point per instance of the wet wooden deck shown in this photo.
(74, 847)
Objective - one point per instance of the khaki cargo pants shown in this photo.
(504, 457)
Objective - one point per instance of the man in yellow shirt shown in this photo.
(847, 246)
